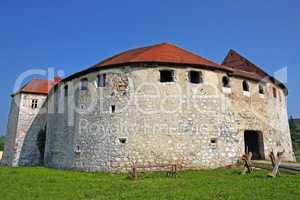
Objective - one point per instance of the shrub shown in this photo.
(1, 143)
(41, 141)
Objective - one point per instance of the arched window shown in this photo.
(246, 86)
(226, 81)
(195, 77)
(261, 89)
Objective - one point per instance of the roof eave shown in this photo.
(96, 68)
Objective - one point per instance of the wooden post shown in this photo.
(173, 171)
(247, 163)
(133, 172)
(275, 163)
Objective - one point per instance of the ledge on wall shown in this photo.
(226, 90)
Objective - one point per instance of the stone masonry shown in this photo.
(103, 119)
(161, 123)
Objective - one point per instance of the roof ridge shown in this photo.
(238, 54)
(127, 51)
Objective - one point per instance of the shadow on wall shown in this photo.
(30, 153)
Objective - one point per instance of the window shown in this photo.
(123, 140)
(55, 88)
(245, 86)
(195, 77)
(34, 103)
(84, 84)
(274, 92)
(113, 109)
(213, 141)
(166, 76)
(101, 82)
(226, 82)
(261, 89)
(66, 90)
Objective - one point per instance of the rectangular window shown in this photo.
(166, 76)
(101, 80)
(34, 103)
(66, 91)
(261, 89)
(274, 92)
(84, 84)
(113, 109)
(195, 77)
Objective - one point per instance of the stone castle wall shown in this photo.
(157, 124)
(9, 146)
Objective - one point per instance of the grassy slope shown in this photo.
(41, 183)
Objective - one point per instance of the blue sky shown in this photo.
(72, 35)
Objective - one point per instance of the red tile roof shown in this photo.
(234, 63)
(38, 86)
(161, 53)
(240, 63)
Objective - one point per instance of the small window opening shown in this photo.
(84, 84)
(226, 82)
(166, 76)
(213, 141)
(245, 86)
(113, 108)
(261, 89)
(274, 92)
(123, 140)
(195, 77)
(101, 80)
(77, 149)
(66, 90)
(34, 103)
(55, 88)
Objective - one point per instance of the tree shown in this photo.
(1, 143)
(295, 133)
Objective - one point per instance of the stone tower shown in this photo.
(25, 120)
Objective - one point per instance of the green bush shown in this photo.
(1, 143)
(41, 142)
(295, 134)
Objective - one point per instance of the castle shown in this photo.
(156, 106)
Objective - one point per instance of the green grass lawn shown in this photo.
(42, 183)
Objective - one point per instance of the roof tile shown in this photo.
(164, 52)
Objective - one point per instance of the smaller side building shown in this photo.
(26, 119)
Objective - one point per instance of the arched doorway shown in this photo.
(254, 143)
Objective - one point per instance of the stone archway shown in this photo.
(254, 143)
